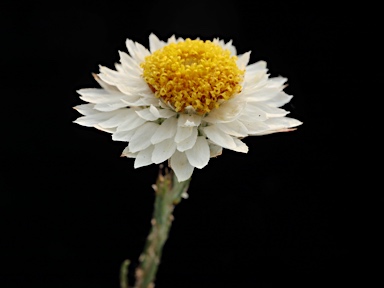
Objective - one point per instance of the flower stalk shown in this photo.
(169, 192)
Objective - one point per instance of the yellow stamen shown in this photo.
(193, 73)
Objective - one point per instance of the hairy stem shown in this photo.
(168, 194)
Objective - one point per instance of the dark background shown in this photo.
(293, 211)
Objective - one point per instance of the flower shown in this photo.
(184, 101)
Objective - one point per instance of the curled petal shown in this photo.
(240, 146)
(215, 150)
(127, 153)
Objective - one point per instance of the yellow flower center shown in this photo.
(193, 73)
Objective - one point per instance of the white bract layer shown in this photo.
(128, 108)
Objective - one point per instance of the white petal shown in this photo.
(243, 60)
(263, 94)
(127, 153)
(135, 89)
(154, 111)
(257, 66)
(255, 127)
(110, 106)
(143, 158)
(119, 68)
(180, 165)
(110, 76)
(93, 119)
(130, 125)
(198, 155)
(86, 109)
(155, 43)
(131, 78)
(256, 72)
(166, 113)
(225, 46)
(188, 143)
(128, 63)
(271, 111)
(132, 101)
(142, 137)
(163, 151)
(252, 113)
(282, 123)
(147, 101)
(219, 42)
(132, 121)
(164, 105)
(279, 99)
(219, 137)
(136, 50)
(142, 52)
(162, 113)
(171, 39)
(166, 130)
(240, 146)
(146, 114)
(278, 81)
(227, 112)
(104, 85)
(115, 120)
(231, 48)
(215, 150)
(189, 120)
(183, 133)
(254, 82)
(108, 130)
(125, 136)
(96, 95)
(234, 128)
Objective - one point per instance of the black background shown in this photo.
(290, 212)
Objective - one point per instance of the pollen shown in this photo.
(193, 73)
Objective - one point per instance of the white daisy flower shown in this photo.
(184, 101)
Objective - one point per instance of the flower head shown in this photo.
(184, 101)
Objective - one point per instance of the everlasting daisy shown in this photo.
(184, 101)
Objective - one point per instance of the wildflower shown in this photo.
(184, 101)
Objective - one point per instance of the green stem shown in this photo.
(168, 194)
(124, 274)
